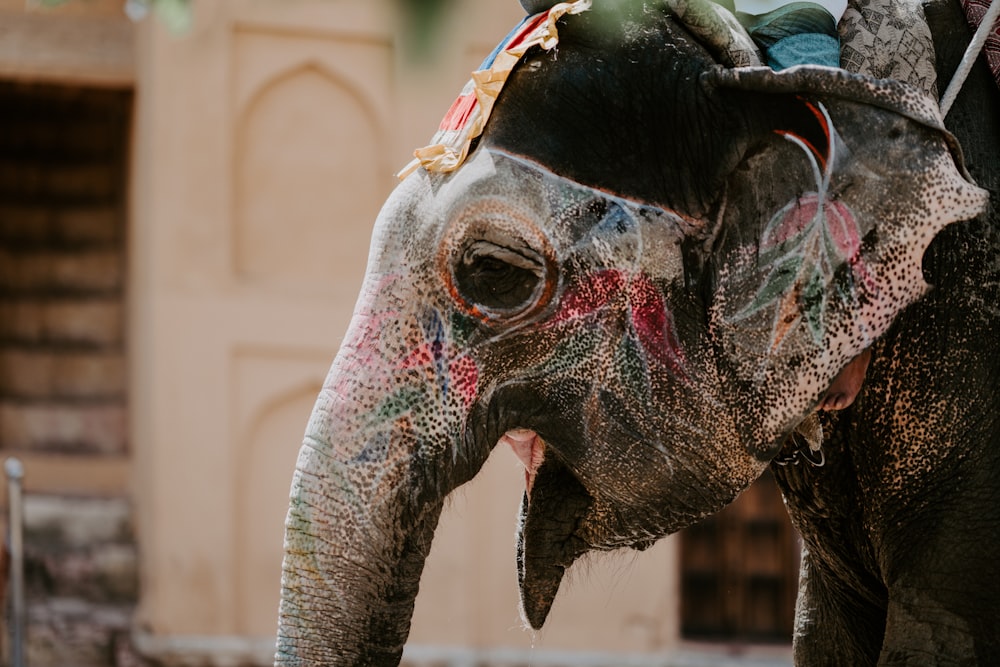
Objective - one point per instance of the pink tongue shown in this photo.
(529, 449)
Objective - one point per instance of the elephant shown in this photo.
(654, 276)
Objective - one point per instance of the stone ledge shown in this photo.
(66, 271)
(60, 225)
(74, 476)
(70, 631)
(104, 573)
(98, 50)
(76, 523)
(91, 322)
(43, 374)
(234, 651)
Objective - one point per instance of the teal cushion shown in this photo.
(807, 49)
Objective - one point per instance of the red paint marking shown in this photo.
(649, 317)
(465, 379)
(652, 325)
(587, 296)
(821, 156)
(820, 118)
(815, 151)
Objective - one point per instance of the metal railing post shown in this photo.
(15, 526)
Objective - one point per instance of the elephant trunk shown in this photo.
(345, 600)
(380, 454)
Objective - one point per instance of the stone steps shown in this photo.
(81, 580)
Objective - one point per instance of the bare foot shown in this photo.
(845, 387)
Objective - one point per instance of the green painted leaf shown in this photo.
(779, 280)
(462, 327)
(814, 303)
(571, 351)
(403, 400)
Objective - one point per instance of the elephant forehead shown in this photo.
(498, 188)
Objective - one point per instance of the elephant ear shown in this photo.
(890, 94)
(842, 184)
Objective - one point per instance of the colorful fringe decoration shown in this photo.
(467, 116)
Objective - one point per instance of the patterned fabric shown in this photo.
(468, 114)
(889, 39)
(809, 48)
(975, 10)
(720, 32)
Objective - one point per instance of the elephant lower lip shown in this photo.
(530, 451)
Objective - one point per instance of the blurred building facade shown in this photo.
(183, 232)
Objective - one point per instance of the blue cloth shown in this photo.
(809, 48)
(799, 33)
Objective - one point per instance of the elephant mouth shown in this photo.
(529, 450)
(555, 502)
(547, 540)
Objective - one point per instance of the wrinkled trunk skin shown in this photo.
(381, 451)
(355, 545)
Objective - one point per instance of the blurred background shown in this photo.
(187, 191)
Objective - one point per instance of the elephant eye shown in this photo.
(499, 281)
(496, 261)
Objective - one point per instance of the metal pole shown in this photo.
(15, 526)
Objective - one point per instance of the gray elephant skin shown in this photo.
(646, 276)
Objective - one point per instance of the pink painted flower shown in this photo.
(639, 297)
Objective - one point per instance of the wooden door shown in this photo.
(739, 570)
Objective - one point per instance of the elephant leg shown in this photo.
(923, 631)
(944, 579)
(944, 610)
(835, 624)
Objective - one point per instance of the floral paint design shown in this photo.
(429, 379)
(454, 375)
(435, 375)
(804, 244)
(648, 341)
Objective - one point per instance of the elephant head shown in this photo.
(645, 276)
